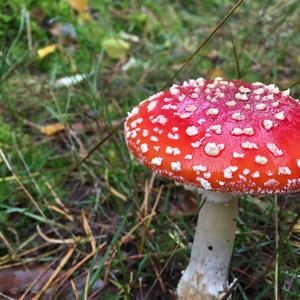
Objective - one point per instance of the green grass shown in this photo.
(110, 186)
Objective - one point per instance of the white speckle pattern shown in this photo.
(152, 105)
(249, 145)
(286, 92)
(229, 170)
(241, 96)
(213, 149)
(244, 90)
(246, 171)
(238, 116)
(156, 161)
(191, 131)
(204, 183)
(259, 91)
(280, 116)
(173, 136)
(176, 166)
(245, 131)
(212, 112)
(145, 132)
(144, 148)
(201, 121)
(189, 157)
(173, 151)
(135, 123)
(160, 119)
(255, 174)
(268, 124)
(174, 90)
(261, 106)
(271, 182)
(284, 171)
(216, 128)
(231, 103)
(274, 149)
(238, 155)
(261, 160)
(169, 107)
(190, 108)
(154, 138)
(199, 168)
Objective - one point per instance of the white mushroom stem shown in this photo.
(206, 276)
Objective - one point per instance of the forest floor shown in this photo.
(77, 211)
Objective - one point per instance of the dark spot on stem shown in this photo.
(210, 248)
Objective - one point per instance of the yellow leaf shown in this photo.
(79, 5)
(52, 128)
(43, 52)
(116, 48)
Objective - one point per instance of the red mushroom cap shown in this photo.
(227, 136)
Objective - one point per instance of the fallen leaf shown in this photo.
(116, 48)
(79, 5)
(43, 52)
(52, 129)
(68, 81)
(131, 63)
(82, 7)
(129, 37)
(16, 280)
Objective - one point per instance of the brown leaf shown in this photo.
(15, 280)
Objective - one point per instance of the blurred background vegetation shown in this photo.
(70, 70)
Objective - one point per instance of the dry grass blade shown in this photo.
(45, 271)
(55, 273)
(56, 198)
(73, 269)
(86, 287)
(88, 231)
(7, 244)
(61, 212)
(58, 241)
(75, 291)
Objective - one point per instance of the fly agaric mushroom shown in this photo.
(226, 138)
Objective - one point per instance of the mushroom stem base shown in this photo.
(206, 275)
